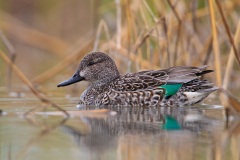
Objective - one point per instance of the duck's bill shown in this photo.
(74, 79)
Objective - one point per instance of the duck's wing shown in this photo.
(185, 74)
(155, 78)
(135, 82)
(180, 74)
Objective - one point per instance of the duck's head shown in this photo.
(94, 67)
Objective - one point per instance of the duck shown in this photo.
(171, 87)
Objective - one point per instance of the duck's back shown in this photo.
(172, 86)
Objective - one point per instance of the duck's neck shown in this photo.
(106, 80)
(96, 88)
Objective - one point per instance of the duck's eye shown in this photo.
(95, 61)
(91, 63)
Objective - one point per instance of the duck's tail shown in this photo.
(191, 93)
(196, 97)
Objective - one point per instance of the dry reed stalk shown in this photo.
(146, 26)
(229, 101)
(155, 19)
(20, 74)
(205, 11)
(139, 59)
(73, 57)
(184, 48)
(143, 38)
(128, 26)
(138, 53)
(194, 5)
(160, 6)
(208, 54)
(228, 30)
(12, 53)
(195, 41)
(231, 59)
(158, 49)
(131, 27)
(96, 113)
(132, 33)
(143, 17)
(31, 36)
(148, 50)
(7, 44)
(118, 23)
(174, 11)
(178, 39)
(165, 29)
(178, 32)
(101, 26)
(203, 53)
(215, 43)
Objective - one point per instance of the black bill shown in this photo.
(75, 78)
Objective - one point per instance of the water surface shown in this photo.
(120, 133)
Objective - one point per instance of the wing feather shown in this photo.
(154, 78)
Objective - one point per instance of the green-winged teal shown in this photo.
(175, 86)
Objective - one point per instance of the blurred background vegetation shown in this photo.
(48, 38)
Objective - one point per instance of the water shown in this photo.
(121, 133)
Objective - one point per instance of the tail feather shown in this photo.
(204, 72)
(208, 90)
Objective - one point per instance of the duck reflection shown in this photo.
(141, 125)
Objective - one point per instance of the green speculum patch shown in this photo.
(171, 89)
